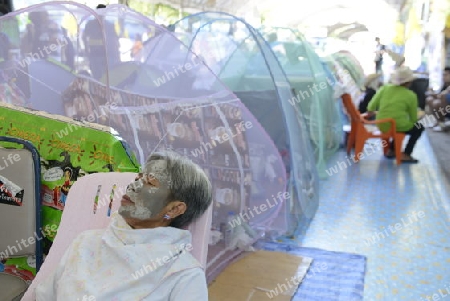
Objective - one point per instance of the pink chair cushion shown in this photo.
(78, 216)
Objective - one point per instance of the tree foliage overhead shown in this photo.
(164, 11)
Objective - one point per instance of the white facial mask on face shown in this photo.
(148, 199)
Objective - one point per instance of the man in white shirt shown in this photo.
(142, 255)
(379, 51)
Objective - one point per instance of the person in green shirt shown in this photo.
(396, 101)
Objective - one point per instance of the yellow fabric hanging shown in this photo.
(447, 27)
(447, 21)
(117, 27)
(413, 24)
(69, 22)
(399, 38)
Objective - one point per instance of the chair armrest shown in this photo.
(365, 115)
(365, 121)
(380, 121)
(392, 130)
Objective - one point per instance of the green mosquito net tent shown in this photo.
(313, 91)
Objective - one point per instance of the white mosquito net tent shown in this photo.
(117, 71)
(344, 81)
(350, 63)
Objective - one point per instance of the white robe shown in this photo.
(122, 264)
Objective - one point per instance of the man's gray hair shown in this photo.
(189, 184)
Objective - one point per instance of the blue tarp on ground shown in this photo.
(333, 276)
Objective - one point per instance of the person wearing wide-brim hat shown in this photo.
(372, 83)
(372, 79)
(396, 101)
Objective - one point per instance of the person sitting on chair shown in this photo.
(372, 84)
(141, 254)
(396, 101)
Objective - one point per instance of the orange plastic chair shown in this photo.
(359, 133)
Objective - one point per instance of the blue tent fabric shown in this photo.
(240, 56)
(333, 276)
(48, 81)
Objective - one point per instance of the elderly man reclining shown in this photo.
(149, 226)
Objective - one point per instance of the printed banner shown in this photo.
(68, 150)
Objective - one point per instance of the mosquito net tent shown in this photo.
(313, 91)
(345, 82)
(115, 70)
(352, 65)
(336, 84)
(243, 60)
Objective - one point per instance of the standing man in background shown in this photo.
(96, 49)
(379, 51)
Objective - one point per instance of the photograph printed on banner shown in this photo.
(77, 99)
(183, 128)
(10, 193)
